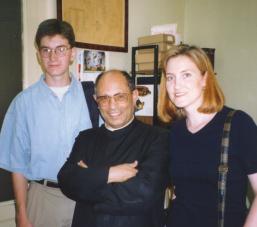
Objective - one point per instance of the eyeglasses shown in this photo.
(59, 51)
(119, 98)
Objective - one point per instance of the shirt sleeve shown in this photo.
(247, 141)
(14, 139)
(82, 184)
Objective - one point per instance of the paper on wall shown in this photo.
(169, 29)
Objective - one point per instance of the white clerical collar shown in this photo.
(114, 129)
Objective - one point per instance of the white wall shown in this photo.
(142, 15)
(228, 26)
(231, 27)
(145, 13)
(34, 11)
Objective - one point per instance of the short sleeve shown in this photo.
(246, 140)
(14, 140)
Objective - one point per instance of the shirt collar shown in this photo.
(71, 85)
(115, 129)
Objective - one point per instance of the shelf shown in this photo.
(147, 80)
(152, 78)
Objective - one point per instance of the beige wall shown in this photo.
(228, 26)
(231, 27)
(142, 15)
(145, 13)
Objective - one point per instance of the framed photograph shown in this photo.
(145, 93)
(94, 60)
(98, 24)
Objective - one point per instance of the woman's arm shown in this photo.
(251, 219)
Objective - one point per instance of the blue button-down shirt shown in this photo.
(39, 130)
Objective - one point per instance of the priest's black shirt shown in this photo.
(137, 202)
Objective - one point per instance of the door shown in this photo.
(11, 70)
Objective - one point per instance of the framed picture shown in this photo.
(98, 24)
(145, 93)
(94, 60)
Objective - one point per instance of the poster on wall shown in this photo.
(90, 63)
(94, 60)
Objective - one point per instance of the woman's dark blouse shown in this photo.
(194, 163)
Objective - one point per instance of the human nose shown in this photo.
(112, 102)
(177, 83)
(52, 54)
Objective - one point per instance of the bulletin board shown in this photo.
(98, 24)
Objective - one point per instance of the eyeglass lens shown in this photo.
(59, 51)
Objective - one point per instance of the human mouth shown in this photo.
(53, 65)
(114, 114)
(179, 94)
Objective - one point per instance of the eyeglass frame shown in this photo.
(115, 97)
(55, 50)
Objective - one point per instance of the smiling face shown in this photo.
(56, 67)
(117, 111)
(185, 83)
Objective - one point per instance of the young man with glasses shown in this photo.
(117, 173)
(39, 130)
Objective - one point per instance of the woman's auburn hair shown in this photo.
(213, 97)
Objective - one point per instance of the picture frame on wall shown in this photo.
(94, 60)
(98, 24)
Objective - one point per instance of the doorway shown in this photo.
(11, 70)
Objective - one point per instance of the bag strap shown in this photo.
(88, 88)
(223, 168)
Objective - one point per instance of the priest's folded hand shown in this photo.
(122, 172)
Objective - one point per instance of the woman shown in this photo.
(193, 102)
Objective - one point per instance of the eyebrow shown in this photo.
(54, 47)
(113, 94)
(183, 71)
(186, 70)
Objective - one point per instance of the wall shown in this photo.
(34, 11)
(230, 27)
(145, 13)
(142, 15)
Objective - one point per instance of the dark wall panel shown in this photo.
(11, 71)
